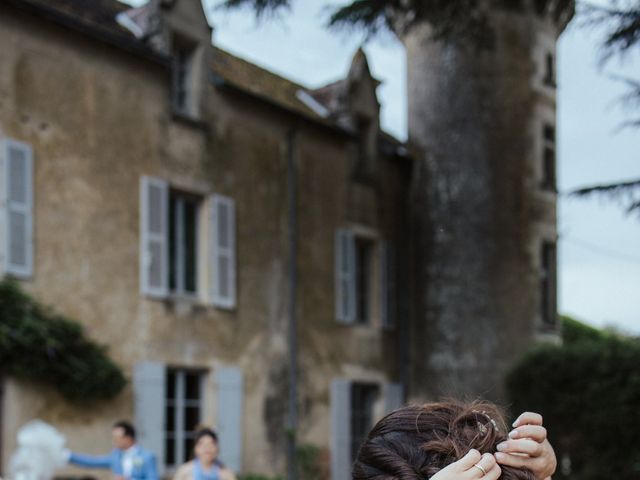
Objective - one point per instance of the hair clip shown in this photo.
(482, 427)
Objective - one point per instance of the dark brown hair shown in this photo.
(127, 428)
(417, 441)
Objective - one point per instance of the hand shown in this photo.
(528, 447)
(470, 467)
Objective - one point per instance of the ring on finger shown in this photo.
(481, 468)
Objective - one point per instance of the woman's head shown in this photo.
(416, 441)
(206, 445)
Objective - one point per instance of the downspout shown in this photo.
(293, 284)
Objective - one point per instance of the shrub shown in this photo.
(39, 345)
(588, 391)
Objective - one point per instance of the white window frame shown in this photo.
(179, 405)
(180, 289)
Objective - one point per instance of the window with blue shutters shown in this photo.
(16, 208)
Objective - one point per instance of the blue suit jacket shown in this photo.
(144, 463)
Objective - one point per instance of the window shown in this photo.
(548, 287)
(183, 242)
(355, 407)
(187, 244)
(364, 271)
(363, 399)
(549, 71)
(359, 262)
(183, 413)
(549, 158)
(16, 207)
(183, 77)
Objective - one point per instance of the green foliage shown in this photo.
(588, 391)
(39, 345)
(308, 463)
(257, 476)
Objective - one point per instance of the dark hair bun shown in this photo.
(417, 441)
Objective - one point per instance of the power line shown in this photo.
(602, 250)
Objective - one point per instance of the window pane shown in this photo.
(170, 456)
(192, 386)
(549, 133)
(170, 419)
(363, 279)
(363, 398)
(173, 245)
(190, 245)
(191, 418)
(189, 443)
(171, 384)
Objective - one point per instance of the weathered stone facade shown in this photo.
(96, 109)
(416, 271)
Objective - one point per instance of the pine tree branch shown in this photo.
(621, 191)
(261, 8)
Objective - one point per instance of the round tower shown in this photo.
(484, 197)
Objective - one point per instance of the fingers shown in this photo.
(528, 418)
(517, 461)
(472, 466)
(534, 432)
(494, 473)
(469, 460)
(522, 446)
(485, 468)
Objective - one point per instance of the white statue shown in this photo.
(40, 452)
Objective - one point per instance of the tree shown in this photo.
(621, 21)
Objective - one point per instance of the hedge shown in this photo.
(588, 391)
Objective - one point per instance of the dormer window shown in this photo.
(366, 148)
(183, 97)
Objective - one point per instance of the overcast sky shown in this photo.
(599, 247)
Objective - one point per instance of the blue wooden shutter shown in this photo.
(345, 266)
(393, 395)
(340, 429)
(154, 245)
(229, 393)
(223, 252)
(149, 397)
(17, 204)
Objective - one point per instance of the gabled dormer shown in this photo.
(177, 28)
(353, 104)
(363, 112)
(189, 42)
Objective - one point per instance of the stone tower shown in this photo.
(484, 197)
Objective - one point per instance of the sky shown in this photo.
(599, 246)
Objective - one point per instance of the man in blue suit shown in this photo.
(127, 460)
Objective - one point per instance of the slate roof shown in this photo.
(98, 18)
